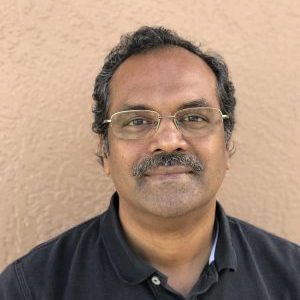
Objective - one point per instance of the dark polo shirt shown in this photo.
(93, 261)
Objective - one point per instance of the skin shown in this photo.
(168, 215)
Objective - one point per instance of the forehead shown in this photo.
(162, 79)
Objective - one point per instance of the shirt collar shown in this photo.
(225, 256)
(131, 269)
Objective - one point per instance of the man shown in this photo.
(164, 114)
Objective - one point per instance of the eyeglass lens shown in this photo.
(138, 124)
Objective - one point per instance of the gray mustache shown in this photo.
(167, 160)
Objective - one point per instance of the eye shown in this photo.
(193, 118)
(137, 122)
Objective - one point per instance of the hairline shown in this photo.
(157, 49)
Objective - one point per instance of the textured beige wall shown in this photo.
(50, 53)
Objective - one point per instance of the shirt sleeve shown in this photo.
(12, 285)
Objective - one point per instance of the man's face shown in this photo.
(164, 80)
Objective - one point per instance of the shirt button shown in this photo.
(155, 280)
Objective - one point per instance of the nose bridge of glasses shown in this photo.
(172, 118)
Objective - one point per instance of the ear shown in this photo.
(227, 163)
(103, 151)
(227, 157)
(230, 150)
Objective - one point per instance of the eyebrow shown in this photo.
(135, 107)
(193, 103)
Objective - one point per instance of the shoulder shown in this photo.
(259, 234)
(66, 243)
(44, 260)
(263, 244)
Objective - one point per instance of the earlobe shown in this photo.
(230, 149)
(106, 167)
(227, 164)
(104, 155)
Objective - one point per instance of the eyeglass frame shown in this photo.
(173, 117)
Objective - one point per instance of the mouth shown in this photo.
(168, 173)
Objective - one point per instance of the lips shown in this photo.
(169, 171)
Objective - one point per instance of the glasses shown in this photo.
(140, 124)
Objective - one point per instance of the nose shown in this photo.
(168, 138)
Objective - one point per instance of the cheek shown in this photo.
(212, 151)
(122, 156)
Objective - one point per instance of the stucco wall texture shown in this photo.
(50, 53)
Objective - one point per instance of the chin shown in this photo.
(173, 203)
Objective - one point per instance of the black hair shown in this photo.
(146, 39)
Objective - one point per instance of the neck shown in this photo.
(178, 247)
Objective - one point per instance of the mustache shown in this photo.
(167, 160)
